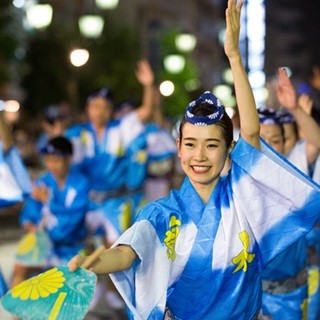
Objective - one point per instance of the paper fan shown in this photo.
(56, 294)
(33, 249)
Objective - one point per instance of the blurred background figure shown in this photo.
(111, 153)
(15, 182)
(55, 119)
(57, 206)
(162, 153)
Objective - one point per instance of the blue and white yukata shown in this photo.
(285, 289)
(115, 166)
(204, 261)
(15, 183)
(162, 151)
(298, 157)
(63, 217)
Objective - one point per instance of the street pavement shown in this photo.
(10, 234)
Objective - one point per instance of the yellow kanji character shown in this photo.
(244, 257)
(171, 237)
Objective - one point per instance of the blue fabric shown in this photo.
(16, 183)
(314, 293)
(115, 163)
(104, 169)
(292, 305)
(198, 258)
(64, 215)
(3, 285)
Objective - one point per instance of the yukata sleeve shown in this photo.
(19, 170)
(279, 202)
(31, 212)
(135, 143)
(144, 286)
(77, 136)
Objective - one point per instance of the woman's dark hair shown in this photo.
(225, 124)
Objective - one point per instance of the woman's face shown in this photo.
(203, 154)
(99, 111)
(57, 165)
(290, 137)
(273, 135)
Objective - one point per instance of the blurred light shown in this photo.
(91, 26)
(174, 63)
(79, 57)
(224, 94)
(227, 76)
(18, 3)
(221, 36)
(230, 112)
(257, 79)
(166, 88)
(260, 95)
(39, 16)
(185, 42)
(192, 85)
(222, 91)
(107, 4)
(11, 106)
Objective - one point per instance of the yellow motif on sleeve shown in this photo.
(141, 156)
(244, 257)
(83, 137)
(125, 216)
(313, 281)
(304, 309)
(119, 151)
(171, 237)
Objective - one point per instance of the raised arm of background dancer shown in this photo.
(288, 98)
(110, 260)
(5, 134)
(145, 76)
(249, 120)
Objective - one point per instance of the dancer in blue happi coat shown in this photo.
(199, 253)
(58, 206)
(162, 153)
(15, 182)
(112, 153)
(285, 290)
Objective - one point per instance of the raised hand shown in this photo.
(144, 73)
(285, 91)
(231, 44)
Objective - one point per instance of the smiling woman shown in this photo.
(209, 241)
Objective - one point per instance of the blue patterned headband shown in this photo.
(268, 116)
(214, 117)
(286, 117)
(104, 93)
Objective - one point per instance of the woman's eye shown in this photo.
(189, 144)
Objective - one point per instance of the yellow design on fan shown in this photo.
(40, 286)
(27, 243)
